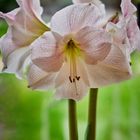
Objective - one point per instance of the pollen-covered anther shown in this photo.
(73, 80)
(78, 78)
(70, 79)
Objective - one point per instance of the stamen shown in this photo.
(72, 52)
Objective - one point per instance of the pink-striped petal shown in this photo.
(97, 3)
(46, 54)
(74, 17)
(95, 44)
(113, 69)
(128, 8)
(39, 79)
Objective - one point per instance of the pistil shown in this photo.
(72, 52)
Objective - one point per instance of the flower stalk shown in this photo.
(91, 128)
(73, 131)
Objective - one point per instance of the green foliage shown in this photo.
(3, 27)
(136, 1)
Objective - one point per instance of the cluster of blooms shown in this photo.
(77, 52)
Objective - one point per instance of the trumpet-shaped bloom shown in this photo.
(25, 25)
(76, 54)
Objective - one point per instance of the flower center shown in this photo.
(72, 53)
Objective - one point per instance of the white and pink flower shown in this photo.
(77, 53)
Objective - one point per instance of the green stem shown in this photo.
(73, 131)
(91, 129)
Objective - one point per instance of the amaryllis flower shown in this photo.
(128, 26)
(130, 20)
(77, 54)
(25, 25)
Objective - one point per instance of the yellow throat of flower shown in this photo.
(72, 52)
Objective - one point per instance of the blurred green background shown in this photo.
(33, 115)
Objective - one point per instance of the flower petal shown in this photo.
(97, 3)
(118, 33)
(75, 17)
(82, 1)
(45, 53)
(128, 8)
(95, 44)
(13, 62)
(39, 79)
(25, 24)
(31, 6)
(92, 56)
(114, 68)
(119, 36)
(6, 46)
(133, 33)
(67, 90)
(16, 62)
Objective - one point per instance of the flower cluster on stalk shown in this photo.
(81, 49)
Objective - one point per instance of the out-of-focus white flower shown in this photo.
(25, 25)
(128, 24)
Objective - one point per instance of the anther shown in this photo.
(70, 43)
(70, 79)
(78, 78)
